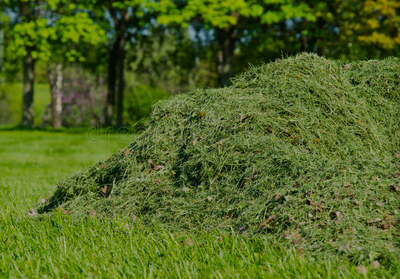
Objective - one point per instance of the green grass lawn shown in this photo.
(32, 162)
(41, 99)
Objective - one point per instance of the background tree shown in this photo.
(372, 28)
(229, 21)
(46, 30)
(352, 29)
(120, 19)
(73, 32)
(174, 46)
(28, 39)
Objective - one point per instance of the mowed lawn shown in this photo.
(61, 246)
(40, 101)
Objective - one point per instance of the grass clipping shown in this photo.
(304, 149)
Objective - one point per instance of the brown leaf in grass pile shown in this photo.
(396, 155)
(346, 184)
(135, 218)
(104, 191)
(189, 242)
(386, 225)
(33, 212)
(243, 117)
(337, 215)
(265, 223)
(127, 152)
(92, 213)
(374, 264)
(66, 212)
(157, 182)
(361, 269)
(394, 188)
(322, 224)
(372, 221)
(396, 175)
(294, 236)
(346, 66)
(158, 167)
(319, 206)
(196, 140)
(155, 166)
(278, 196)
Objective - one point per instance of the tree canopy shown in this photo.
(176, 45)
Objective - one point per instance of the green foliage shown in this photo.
(74, 30)
(353, 29)
(92, 247)
(166, 58)
(375, 23)
(301, 150)
(139, 101)
(55, 30)
(221, 14)
(40, 73)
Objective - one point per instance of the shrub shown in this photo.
(138, 102)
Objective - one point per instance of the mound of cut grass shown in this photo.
(302, 149)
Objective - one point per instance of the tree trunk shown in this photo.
(55, 77)
(27, 95)
(121, 59)
(112, 79)
(304, 42)
(320, 37)
(283, 30)
(121, 82)
(225, 56)
(116, 58)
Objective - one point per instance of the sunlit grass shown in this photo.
(32, 162)
(41, 99)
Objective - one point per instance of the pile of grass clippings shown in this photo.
(303, 149)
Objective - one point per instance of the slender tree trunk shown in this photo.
(1, 52)
(283, 30)
(304, 42)
(121, 63)
(319, 36)
(121, 82)
(27, 95)
(225, 56)
(55, 77)
(112, 80)
(116, 58)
